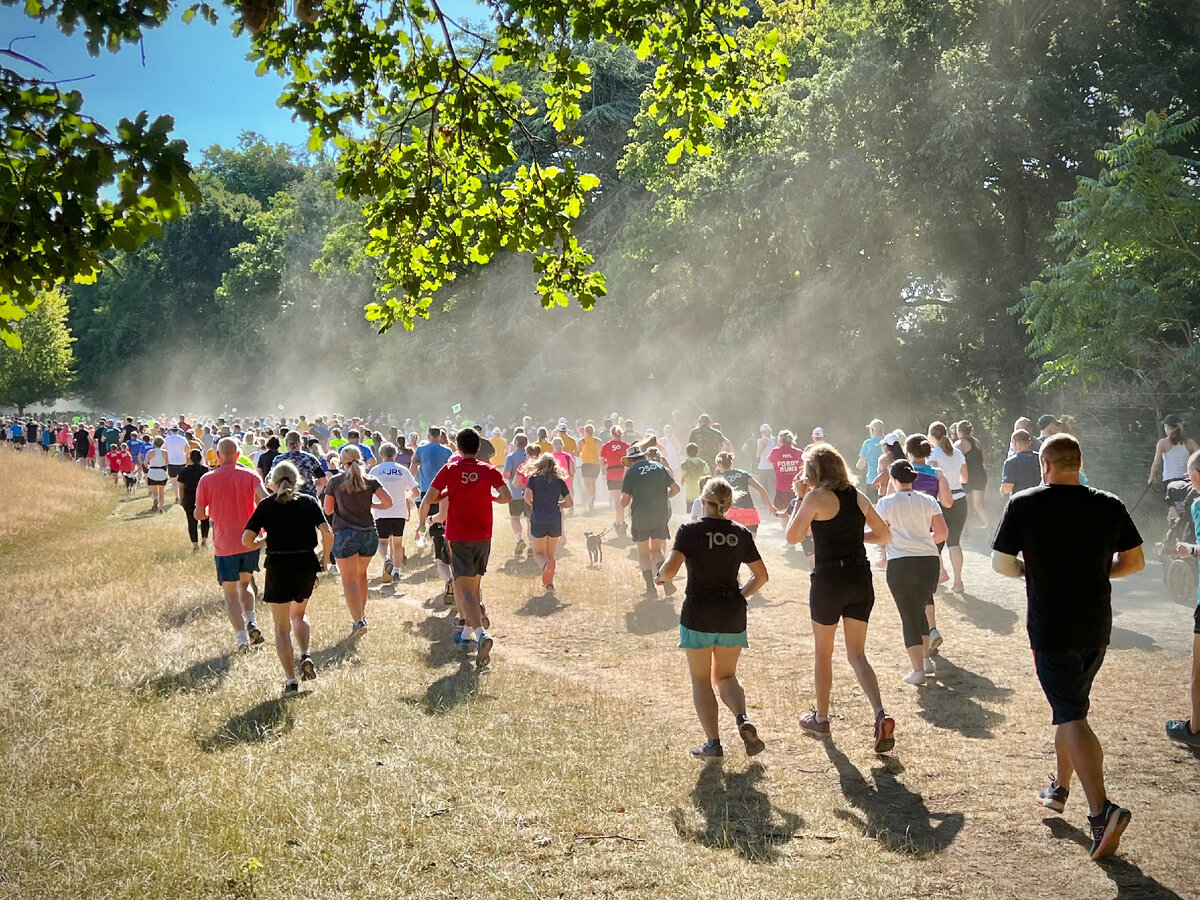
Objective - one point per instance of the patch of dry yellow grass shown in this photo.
(41, 493)
(141, 758)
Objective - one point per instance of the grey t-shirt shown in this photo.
(351, 510)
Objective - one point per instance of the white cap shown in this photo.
(818, 431)
(764, 427)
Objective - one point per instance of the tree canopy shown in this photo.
(426, 115)
(41, 369)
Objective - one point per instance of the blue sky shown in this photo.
(197, 73)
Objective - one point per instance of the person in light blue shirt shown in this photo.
(429, 459)
(868, 456)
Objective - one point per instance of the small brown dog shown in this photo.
(595, 546)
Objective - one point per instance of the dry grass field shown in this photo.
(141, 758)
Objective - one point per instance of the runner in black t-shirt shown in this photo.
(188, 479)
(712, 625)
(292, 522)
(1067, 571)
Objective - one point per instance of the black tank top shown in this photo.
(839, 541)
(974, 458)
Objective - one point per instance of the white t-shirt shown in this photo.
(399, 483)
(951, 465)
(764, 458)
(909, 514)
(177, 448)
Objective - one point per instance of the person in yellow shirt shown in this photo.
(543, 441)
(569, 444)
(588, 452)
(501, 446)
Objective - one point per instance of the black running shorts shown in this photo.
(469, 558)
(841, 592)
(1066, 677)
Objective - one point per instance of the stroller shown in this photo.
(1180, 575)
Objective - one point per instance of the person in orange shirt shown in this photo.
(588, 452)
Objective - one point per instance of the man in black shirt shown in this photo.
(1073, 540)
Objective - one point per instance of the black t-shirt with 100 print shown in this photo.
(714, 550)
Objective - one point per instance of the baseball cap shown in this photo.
(635, 452)
(1171, 421)
(902, 470)
(1046, 420)
(818, 431)
(764, 427)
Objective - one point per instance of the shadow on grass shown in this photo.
(1131, 882)
(542, 605)
(650, 616)
(889, 812)
(738, 816)
(954, 701)
(982, 613)
(205, 675)
(416, 571)
(521, 567)
(177, 618)
(1124, 639)
(269, 719)
(344, 651)
(439, 631)
(450, 690)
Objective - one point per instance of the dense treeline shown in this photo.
(865, 239)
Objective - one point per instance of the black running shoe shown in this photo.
(253, 633)
(448, 594)
(1107, 828)
(750, 738)
(1053, 796)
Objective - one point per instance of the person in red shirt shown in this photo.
(227, 495)
(788, 461)
(471, 486)
(613, 454)
(113, 460)
(123, 465)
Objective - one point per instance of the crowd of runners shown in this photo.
(332, 494)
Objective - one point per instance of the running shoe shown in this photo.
(957, 588)
(1053, 797)
(1181, 730)
(448, 594)
(520, 547)
(307, 670)
(935, 641)
(710, 750)
(930, 667)
(388, 566)
(916, 676)
(483, 617)
(750, 738)
(484, 655)
(290, 687)
(1107, 828)
(253, 633)
(462, 644)
(669, 589)
(809, 723)
(359, 628)
(885, 733)
(333, 569)
(243, 647)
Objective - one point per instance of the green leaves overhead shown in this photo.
(1126, 299)
(432, 122)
